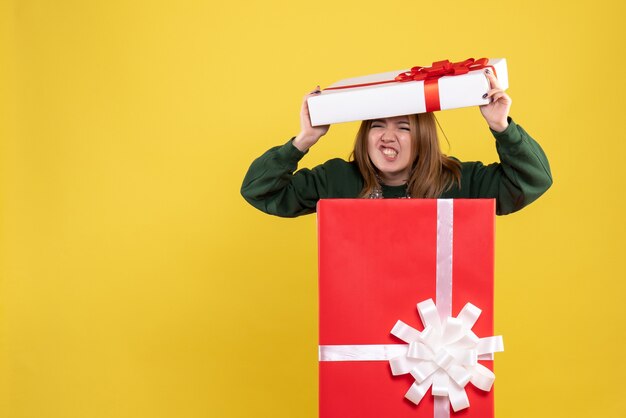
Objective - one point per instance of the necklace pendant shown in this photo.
(377, 193)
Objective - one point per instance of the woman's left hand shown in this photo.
(497, 111)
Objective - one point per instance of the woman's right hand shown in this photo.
(308, 135)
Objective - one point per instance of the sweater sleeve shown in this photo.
(271, 185)
(522, 175)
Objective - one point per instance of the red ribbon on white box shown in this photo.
(444, 356)
(430, 76)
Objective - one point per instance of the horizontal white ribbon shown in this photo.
(366, 352)
(369, 352)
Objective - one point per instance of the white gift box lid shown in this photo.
(389, 99)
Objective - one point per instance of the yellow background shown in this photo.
(136, 282)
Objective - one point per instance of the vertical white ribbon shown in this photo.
(445, 225)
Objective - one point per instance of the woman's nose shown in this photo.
(387, 137)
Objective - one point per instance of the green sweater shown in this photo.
(522, 175)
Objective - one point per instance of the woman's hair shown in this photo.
(432, 172)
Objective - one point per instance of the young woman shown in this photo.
(400, 157)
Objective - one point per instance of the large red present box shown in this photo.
(377, 260)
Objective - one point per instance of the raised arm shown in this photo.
(272, 186)
(523, 173)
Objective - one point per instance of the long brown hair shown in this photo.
(432, 172)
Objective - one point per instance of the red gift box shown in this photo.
(377, 260)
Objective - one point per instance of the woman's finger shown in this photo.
(497, 97)
(495, 94)
(492, 92)
(501, 98)
(316, 90)
(493, 81)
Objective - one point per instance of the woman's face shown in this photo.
(389, 148)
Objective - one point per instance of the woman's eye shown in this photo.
(406, 129)
(377, 126)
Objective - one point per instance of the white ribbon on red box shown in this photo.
(445, 354)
